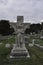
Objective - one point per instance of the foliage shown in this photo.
(5, 27)
(34, 28)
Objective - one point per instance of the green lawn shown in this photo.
(37, 38)
(10, 40)
(39, 41)
(36, 55)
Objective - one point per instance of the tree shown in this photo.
(42, 25)
(34, 28)
(5, 27)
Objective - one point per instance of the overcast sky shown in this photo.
(32, 10)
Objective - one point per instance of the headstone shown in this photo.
(33, 33)
(19, 50)
(7, 45)
(33, 41)
(30, 33)
(32, 44)
(41, 37)
(26, 38)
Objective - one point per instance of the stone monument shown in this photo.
(19, 50)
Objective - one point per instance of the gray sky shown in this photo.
(32, 10)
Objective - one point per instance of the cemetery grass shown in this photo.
(36, 54)
(37, 38)
(8, 40)
(36, 57)
(40, 42)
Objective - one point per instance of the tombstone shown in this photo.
(41, 37)
(30, 33)
(7, 45)
(19, 50)
(32, 44)
(33, 41)
(26, 38)
(41, 34)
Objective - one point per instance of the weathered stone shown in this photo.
(19, 50)
(30, 45)
(7, 45)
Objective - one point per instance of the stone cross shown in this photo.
(19, 28)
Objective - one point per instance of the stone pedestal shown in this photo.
(19, 52)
